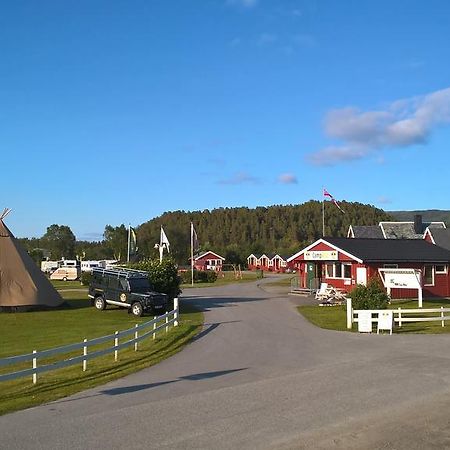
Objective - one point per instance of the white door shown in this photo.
(361, 275)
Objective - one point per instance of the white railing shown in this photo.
(400, 315)
(155, 325)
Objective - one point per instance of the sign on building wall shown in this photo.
(321, 255)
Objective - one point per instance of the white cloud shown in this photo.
(401, 124)
(384, 200)
(287, 178)
(240, 178)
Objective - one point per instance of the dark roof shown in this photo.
(441, 237)
(406, 230)
(391, 250)
(367, 231)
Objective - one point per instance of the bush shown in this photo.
(372, 296)
(163, 276)
(86, 278)
(211, 276)
(200, 276)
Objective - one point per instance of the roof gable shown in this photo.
(204, 255)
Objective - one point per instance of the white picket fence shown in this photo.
(152, 326)
(400, 315)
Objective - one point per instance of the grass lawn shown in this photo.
(21, 333)
(282, 281)
(226, 277)
(335, 317)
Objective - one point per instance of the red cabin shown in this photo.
(345, 262)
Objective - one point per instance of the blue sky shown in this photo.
(117, 111)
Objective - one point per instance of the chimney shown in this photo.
(418, 226)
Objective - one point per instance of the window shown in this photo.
(440, 268)
(338, 270)
(428, 276)
(347, 270)
(329, 273)
(390, 266)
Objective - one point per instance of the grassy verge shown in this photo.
(282, 281)
(334, 318)
(223, 279)
(23, 332)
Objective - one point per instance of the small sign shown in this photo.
(365, 321)
(385, 321)
(321, 255)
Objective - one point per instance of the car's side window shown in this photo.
(123, 284)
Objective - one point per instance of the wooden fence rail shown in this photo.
(167, 319)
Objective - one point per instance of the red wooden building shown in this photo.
(208, 261)
(267, 262)
(345, 262)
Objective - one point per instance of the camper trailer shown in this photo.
(87, 266)
(66, 273)
(49, 266)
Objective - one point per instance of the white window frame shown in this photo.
(334, 277)
(441, 272)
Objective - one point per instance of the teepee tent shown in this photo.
(22, 284)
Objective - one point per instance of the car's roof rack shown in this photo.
(121, 271)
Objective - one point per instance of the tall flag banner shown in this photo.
(163, 240)
(132, 248)
(327, 194)
(133, 242)
(195, 243)
(194, 248)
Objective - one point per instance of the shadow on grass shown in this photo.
(118, 369)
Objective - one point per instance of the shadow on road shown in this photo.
(193, 377)
(211, 327)
(206, 303)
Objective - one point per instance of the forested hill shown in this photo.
(237, 232)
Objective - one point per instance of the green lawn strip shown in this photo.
(335, 317)
(21, 333)
(282, 281)
(227, 278)
(62, 285)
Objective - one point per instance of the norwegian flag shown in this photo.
(327, 194)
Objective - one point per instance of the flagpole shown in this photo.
(192, 254)
(129, 237)
(323, 213)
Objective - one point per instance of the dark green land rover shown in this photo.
(125, 288)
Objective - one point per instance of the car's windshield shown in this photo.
(139, 284)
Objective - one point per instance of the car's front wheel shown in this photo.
(136, 309)
(100, 303)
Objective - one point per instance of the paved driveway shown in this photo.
(259, 376)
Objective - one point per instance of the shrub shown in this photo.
(86, 278)
(372, 296)
(211, 276)
(200, 276)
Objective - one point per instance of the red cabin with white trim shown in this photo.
(345, 262)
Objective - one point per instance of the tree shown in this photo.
(116, 239)
(60, 241)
